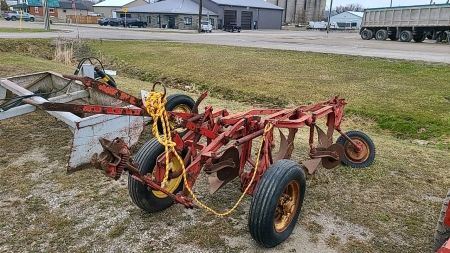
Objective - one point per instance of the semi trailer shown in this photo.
(406, 23)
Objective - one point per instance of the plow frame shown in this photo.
(223, 131)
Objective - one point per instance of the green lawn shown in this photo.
(23, 30)
(410, 99)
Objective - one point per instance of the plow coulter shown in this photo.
(224, 146)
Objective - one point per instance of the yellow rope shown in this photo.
(154, 103)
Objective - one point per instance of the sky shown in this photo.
(383, 3)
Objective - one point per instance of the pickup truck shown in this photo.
(15, 15)
(206, 26)
(130, 22)
(231, 27)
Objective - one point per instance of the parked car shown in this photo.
(16, 15)
(130, 22)
(115, 21)
(103, 21)
(231, 27)
(206, 26)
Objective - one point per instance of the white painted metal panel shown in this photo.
(86, 130)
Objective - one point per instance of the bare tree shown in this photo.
(300, 17)
(3, 5)
(320, 16)
(349, 7)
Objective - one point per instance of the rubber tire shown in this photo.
(173, 101)
(139, 193)
(420, 38)
(144, 26)
(265, 200)
(381, 34)
(13, 18)
(342, 141)
(366, 35)
(31, 19)
(406, 36)
(442, 231)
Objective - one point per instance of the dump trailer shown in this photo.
(406, 23)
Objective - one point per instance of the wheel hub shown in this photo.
(175, 122)
(287, 206)
(356, 154)
(172, 184)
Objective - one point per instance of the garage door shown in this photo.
(246, 20)
(229, 17)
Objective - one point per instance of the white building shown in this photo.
(348, 19)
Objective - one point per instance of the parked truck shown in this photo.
(17, 15)
(406, 23)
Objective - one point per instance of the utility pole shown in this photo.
(391, 3)
(200, 16)
(46, 15)
(329, 17)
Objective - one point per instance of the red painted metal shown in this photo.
(108, 90)
(95, 109)
(447, 216)
(445, 248)
(210, 134)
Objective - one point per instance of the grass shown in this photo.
(24, 30)
(377, 209)
(410, 99)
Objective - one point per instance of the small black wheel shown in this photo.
(442, 231)
(144, 25)
(177, 103)
(277, 202)
(353, 157)
(13, 18)
(32, 20)
(153, 200)
(406, 36)
(366, 34)
(381, 34)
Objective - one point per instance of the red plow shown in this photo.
(225, 146)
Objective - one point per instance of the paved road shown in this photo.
(313, 41)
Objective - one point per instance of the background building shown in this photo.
(65, 8)
(348, 19)
(301, 11)
(183, 14)
(108, 8)
(249, 14)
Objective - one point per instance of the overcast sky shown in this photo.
(382, 3)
